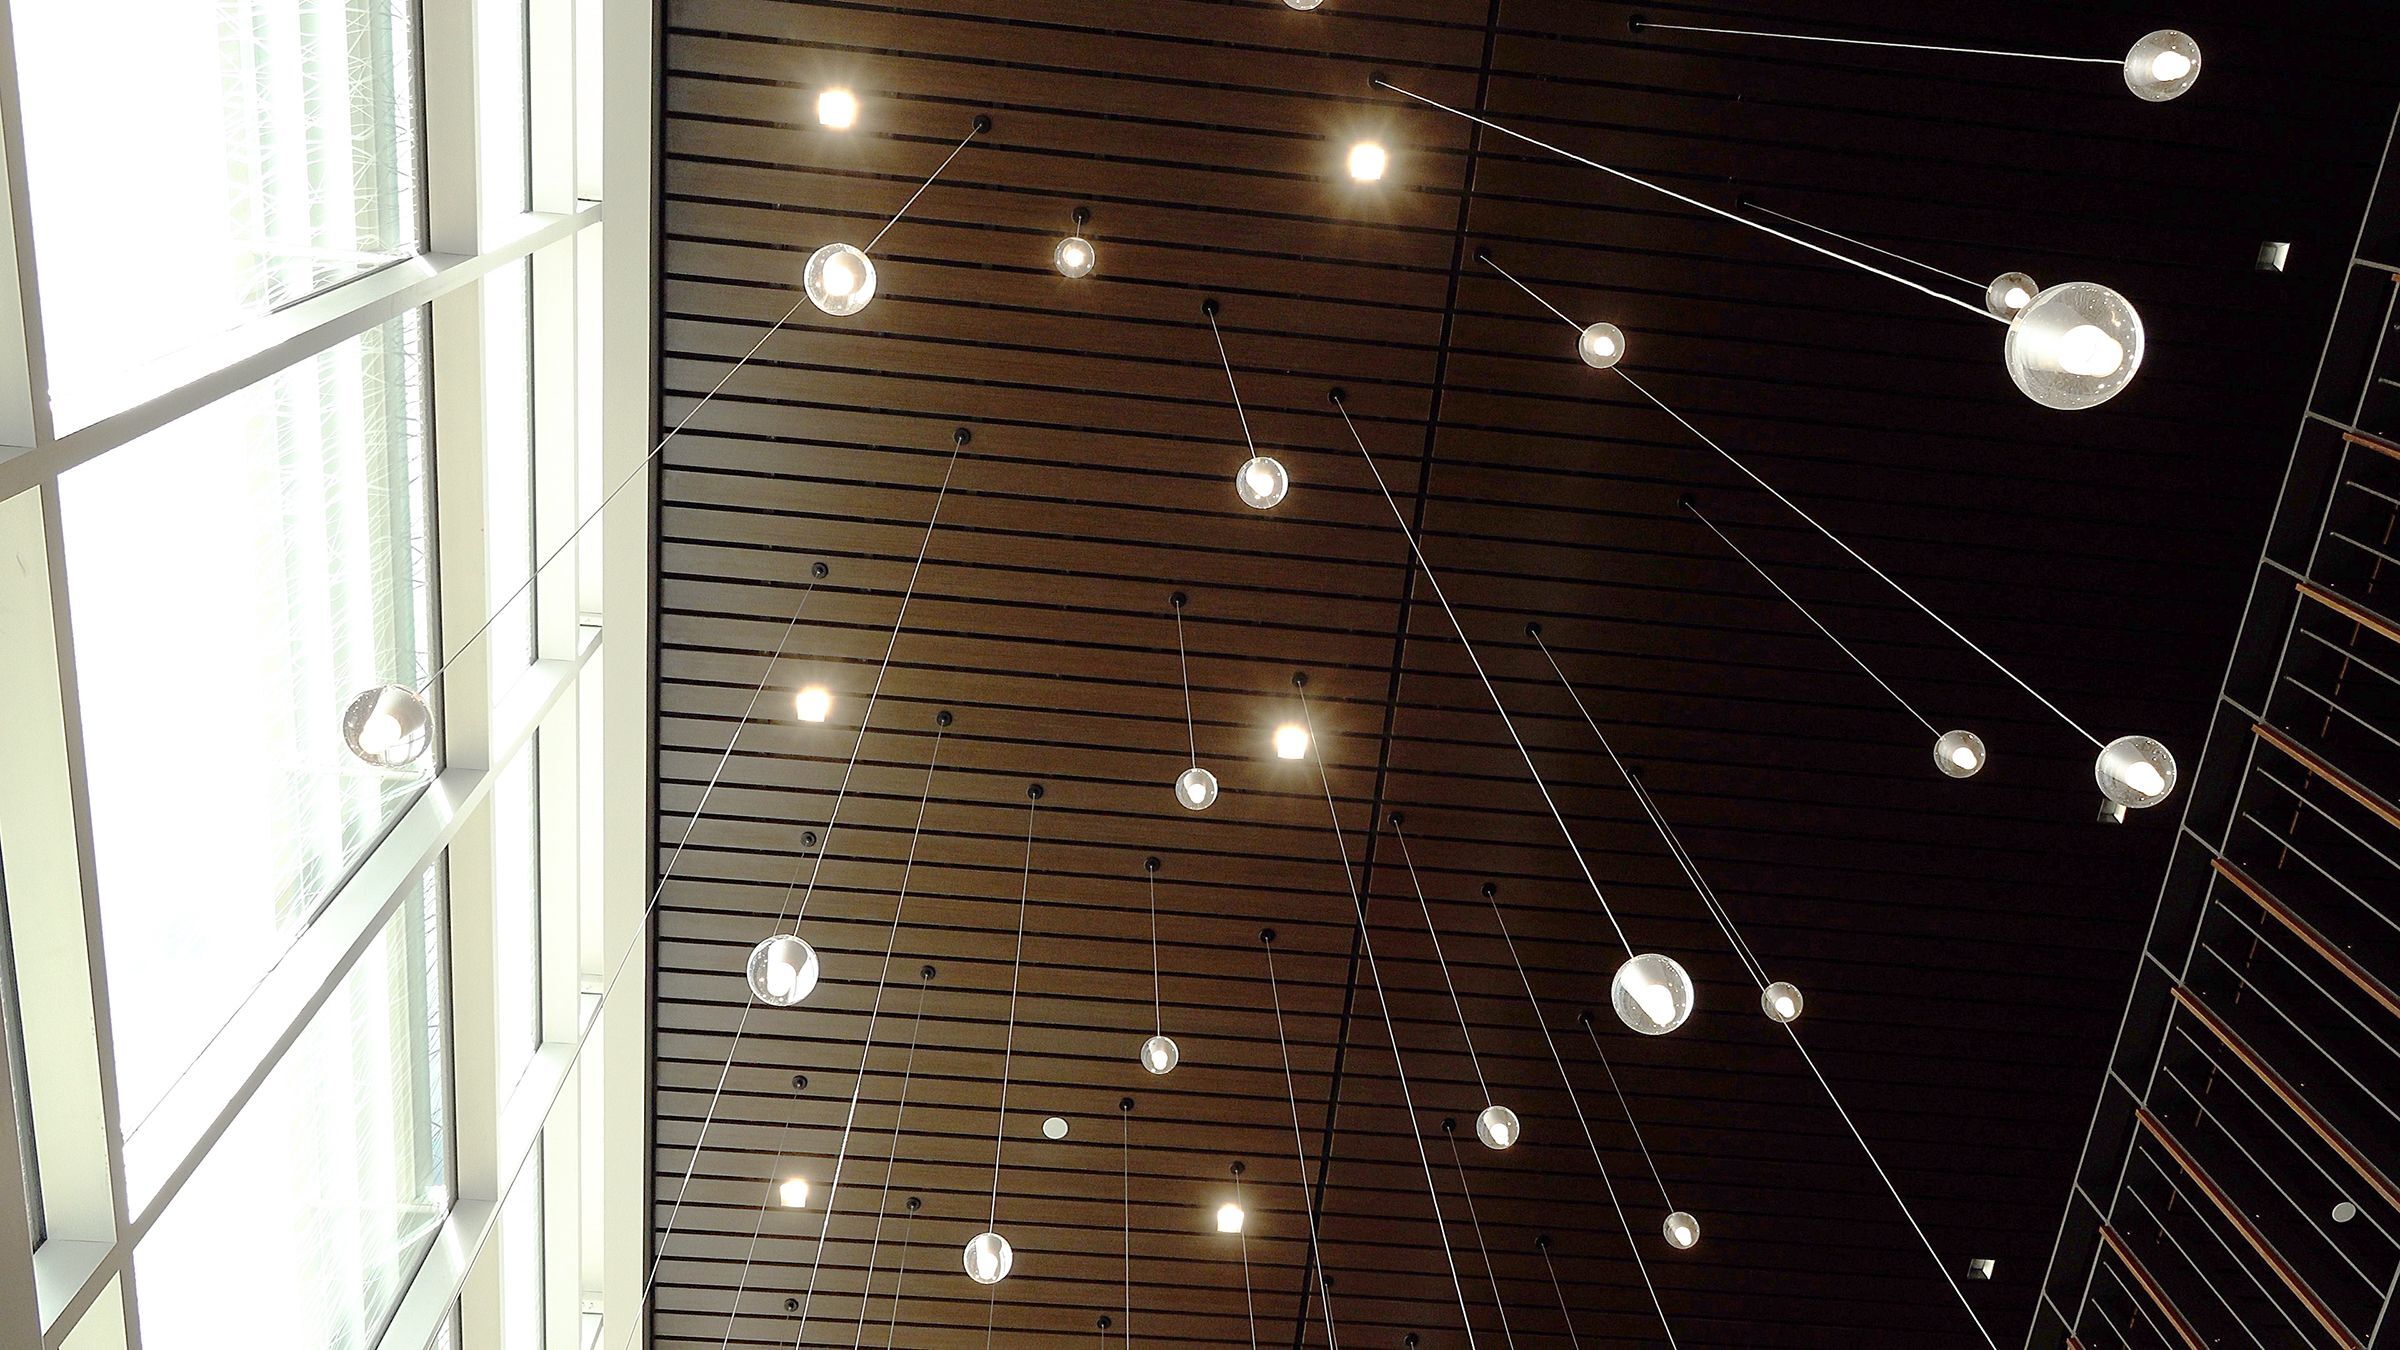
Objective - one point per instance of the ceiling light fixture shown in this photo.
(1261, 482)
(1291, 741)
(840, 278)
(2161, 66)
(1302, 4)
(389, 726)
(2047, 367)
(2004, 296)
(1229, 1217)
(1159, 1054)
(1075, 257)
(793, 1193)
(1677, 1221)
(1496, 1125)
(988, 1256)
(813, 704)
(1367, 162)
(1195, 787)
(1055, 1127)
(838, 109)
(782, 970)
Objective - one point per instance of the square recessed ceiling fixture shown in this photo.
(1980, 1268)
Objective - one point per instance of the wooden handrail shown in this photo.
(2323, 768)
(2349, 609)
(2276, 1083)
(2307, 933)
(2150, 1286)
(2232, 1214)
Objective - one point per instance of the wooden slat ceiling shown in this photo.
(1965, 946)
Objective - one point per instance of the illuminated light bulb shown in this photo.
(1229, 1217)
(2073, 346)
(1601, 345)
(2143, 778)
(813, 703)
(2085, 350)
(837, 108)
(1160, 1055)
(1651, 994)
(840, 279)
(388, 726)
(1959, 754)
(793, 1193)
(2135, 771)
(1367, 161)
(1682, 1231)
(1303, 4)
(1196, 788)
(2163, 65)
(1261, 482)
(2009, 293)
(1075, 256)
(1498, 1127)
(1781, 1001)
(381, 733)
(782, 970)
(988, 1258)
(2169, 66)
(1291, 740)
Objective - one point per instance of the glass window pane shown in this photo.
(272, 550)
(517, 906)
(501, 81)
(12, 1049)
(521, 1260)
(277, 137)
(300, 1229)
(508, 467)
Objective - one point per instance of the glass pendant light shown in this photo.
(1291, 741)
(1367, 161)
(2135, 771)
(1498, 1128)
(1781, 1001)
(1075, 257)
(1303, 4)
(2162, 66)
(1652, 994)
(389, 726)
(1160, 1056)
(1229, 1217)
(813, 704)
(1682, 1231)
(793, 1193)
(2009, 294)
(1195, 787)
(782, 970)
(989, 1258)
(1959, 754)
(2074, 346)
(1601, 345)
(1262, 482)
(840, 279)
(837, 109)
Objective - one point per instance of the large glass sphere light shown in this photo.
(1196, 788)
(1498, 1127)
(1261, 482)
(1075, 256)
(2009, 294)
(840, 279)
(1652, 994)
(988, 1258)
(1160, 1056)
(783, 970)
(2135, 771)
(2162, 65)
(1959, 754)
(1682, 1231)
(2075, 346)
(388, 726)
(1781, 1001)
(1601, 345)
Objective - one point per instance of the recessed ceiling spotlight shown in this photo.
(1981, 1268)
(1291, 740)
(793, 1193)
(813, 703)
(1367, 161)
(1229, 1217)
(837, 108)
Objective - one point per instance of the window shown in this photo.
(12, 1050)
(503, 86)
(517, 910)
(241, 572)
(334, 1177)
(508, 468)
(521, 1260)
(256, 152)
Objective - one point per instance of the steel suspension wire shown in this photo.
(1016, 968)
(1440, 960)
(1209, 308)
(908, 1232)
(1183, 667)
(1340, 403)
(1158, 1013)
(883, 979)
(980, 125)
(1249, 1301)
(1627, 1107)
(1861, 243)
(733, 1310)
(1125, 1179)
(1366, 939)
(1641, 25)
(1491, 1272)
(883, 1202)
(1308, 1207)
(1542, 1244)
(1542, 1024)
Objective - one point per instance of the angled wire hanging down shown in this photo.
(2072, 346)
(2131, 771)
(1195, 787)
(1125, 1181)
(2004, 296)
(1159, 1054)
(1680, 1228)
(1262, 481)
(1236, 1216)
(840, 278)
(891, 1165)
(2159, 66)
(1565, 1318)
(989, 1255)
(1496, 1125)
(1491, 1273)
(1323, 1287)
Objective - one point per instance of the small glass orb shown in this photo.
(1303, 4)
(1291, 741)
(1682, 1230)
(2010, 293)
(1160, 1056)
(1781, 1001)
(1054, 1128)
(793, 1193)
(1959, 754)
(1652, 994)
(388, 726)
(2162, 66)
(1601, 346)
(783, 970)
(1229, 1217)
(1196, 788)
(813, 704)
(2075, 346)
(2135, 771)
(1075, 256)
(988, 1258)
(840, 279)
(837, 108)
(1262, 482)
(1498, 1127)
(1367, 161)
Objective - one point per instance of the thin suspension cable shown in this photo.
(1366, 939)
(1341, 405)
(783, 1136)
(1794, 601)
(976, 128)
(1183, 666)
(883, 979)
(1249, 1301)
(1016, 967)
(1861, 243)
(1885, 577)
(1542, 1024)
(1291, 1097)
(1491, 1272)
(1484, 256)
(908, 1233)
(1440, 960)
(1125, 1177)
(1574, 1342)
(1210, 309)
(1864, 42)
(883, 1202)
(1485, 122)
(1158, 1013)
(1627, 1107)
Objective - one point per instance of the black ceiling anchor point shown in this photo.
(1542, 1242)
(819, 570)
(983, 123)
(1124, 1103)
(1376, 80)
(915, 1204)
(925, 972)
(1267, 935)
(1239, 1168)
(1300, 679)
(1584, 1018)
(1150, 864)
(799, 1081)
(1178, 599)
(1637, 22)
(1208, 307)
(1449, 1124)
(943, 718)
(1337, 395)
(1104, 1323)
(1533, 628)
(808, 838)
(1482, 254)
(1395, 820)
(1034, 791)
(962, 437)
(1490, 890)
(1083, 217)
(791, 1305)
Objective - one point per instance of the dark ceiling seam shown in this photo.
(1391, 704)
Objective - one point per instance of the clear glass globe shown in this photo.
(1652, 994)
(2075, 346)
(988, 1258)
(840, 279)
(1601, 345)
(1075, 256)
(1781, 1001)
(2010, 293)
(2135, 771)
(1303, 4)
(1262, 482)
(2163, 65)
(1196, 788)
(783, 970)
(1682, 1231)
(1959, 754)
(388, 726)
(1160, 1056)
(1498, 1127)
